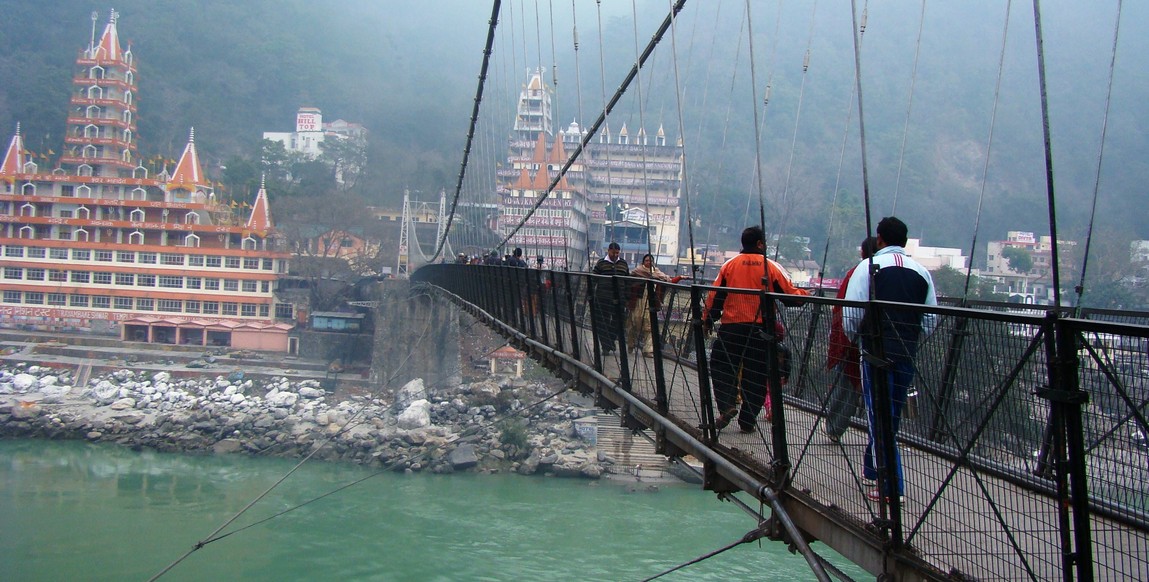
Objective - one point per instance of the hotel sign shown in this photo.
(306, 122)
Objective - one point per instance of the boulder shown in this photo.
(415, 416)
(463, 457)
(410, 392)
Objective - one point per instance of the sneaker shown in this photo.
(834, 438)
(875, 495)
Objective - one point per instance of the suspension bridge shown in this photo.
(1025, 449)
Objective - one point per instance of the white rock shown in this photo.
(309, 392)
(410, 392)
(22, 382)
(417, 415)
(162, 376)
(238, 398)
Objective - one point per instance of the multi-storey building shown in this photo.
(615, 173)
(1034, 285)
(97, 243)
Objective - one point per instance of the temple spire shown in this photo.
(188, 172)
(14, 158)
(260, 219)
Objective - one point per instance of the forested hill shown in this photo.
(407, 71)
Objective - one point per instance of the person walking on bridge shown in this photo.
(741, 342)
(604, 297)
(889, 344)
(843, 358)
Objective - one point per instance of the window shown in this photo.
(211, 284)
(193, 282)
(125, 256)
(57, 253)
(34, 298)
(143, 280)
(171, 281)
(34, 274)
(57, 299)
(81, 255)
(57, 276)
(248, 310)
(81, 277)
(13, 273)
(284, 311)
(215, 261)
(170, 259)
(170, 305)
(265, 286)
(104, 256)
(191, 306)
(231, 262)
(230, 285)
(78, 300)
(101, 302)
(123, 302)
(231, 309)
(211, 307)
(102, 278)
(143, 304)
(125, 279)
(250, 286)
(263, 310)
(36, 252)
(11, 251)
(267, 265)
(250, 263)
(195, 261)
(11, 297)
(148, 258)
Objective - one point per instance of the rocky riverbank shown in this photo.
(482, 426)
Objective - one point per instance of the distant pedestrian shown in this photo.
(738, 364)
(605, 310)
(638, 322)
(844, 359)
(516, 259)
(892, 276)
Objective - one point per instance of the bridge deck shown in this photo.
(990, 493)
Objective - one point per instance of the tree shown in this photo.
(1019, 259)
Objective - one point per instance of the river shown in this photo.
(80, 511)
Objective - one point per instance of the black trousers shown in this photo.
(607, 321)
(739, 346)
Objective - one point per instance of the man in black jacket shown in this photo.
(606, 313)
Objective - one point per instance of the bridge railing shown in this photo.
(1024, 441)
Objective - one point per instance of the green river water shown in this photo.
(78, 511)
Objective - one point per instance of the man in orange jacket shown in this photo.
(741, 341)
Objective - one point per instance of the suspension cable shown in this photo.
(493, 24)
(1080, 289)
(838, 180)
(988, 149)
(757, 129)
(642, 128)
(578, 104)
(685, 193)
(857, 34)
(909, 108)
(794, 138)
(1051, 199)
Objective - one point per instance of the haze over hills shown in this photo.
(408, 70)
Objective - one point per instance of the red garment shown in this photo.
(842, 350)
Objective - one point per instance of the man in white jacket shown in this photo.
(889, 344)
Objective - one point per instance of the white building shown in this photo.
(310, 133)
(934, 258)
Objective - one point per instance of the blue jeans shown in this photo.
(898, 378)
